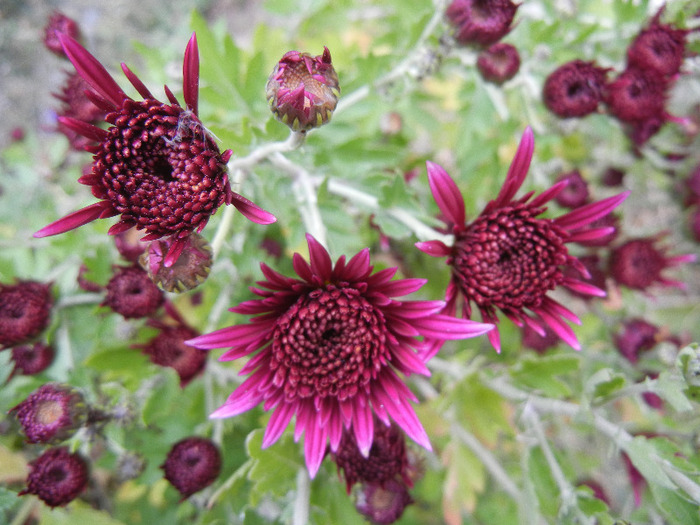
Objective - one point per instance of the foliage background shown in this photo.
(543, 444)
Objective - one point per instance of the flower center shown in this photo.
(509, 259)
(48, 412)
(331, 342)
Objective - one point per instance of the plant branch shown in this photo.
(301, 501)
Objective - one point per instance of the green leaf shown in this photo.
(77, 512)
(541, 373)
(645, 458)
(604, 383)
(678, 510)
(672, 388)
(274, 469)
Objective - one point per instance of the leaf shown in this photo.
(645, 458)
(480, 410)
(274, 469)
(678, 510)
(541, 373)
(77, 512)
(464, 480)
(604, 383)
(671, 387)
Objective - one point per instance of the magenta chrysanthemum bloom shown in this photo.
(328, 347)
(575, 89)
(481, 22)
(168, 349)
(25, 309)
(192, 464)
(131, 293)
(57, 477)
(637, 96)
(156, 165)
(509, 258)
(499, 63)
(659, 48)
(79, 107)
(189, 271)
(575, 193)
(638, 263)
(303, 90)
(634, 337)
(32, 359)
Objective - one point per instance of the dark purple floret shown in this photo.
(57, 477)
(636, 96)
(499, 63)
(481, 22)
(192, 464)
(25, 308)
(575, 89)
(131, 293)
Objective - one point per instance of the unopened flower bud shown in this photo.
(499, 63)
(32, 359)
(192, 465)
(131, 293)
(383, 504)
(574, 89)
(190, 269)
(57, 477)
(303, 90)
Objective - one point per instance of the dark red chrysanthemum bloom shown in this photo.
(509, 258)
(51, 414)
(328, 348)
(383, 504)
(32, 359)
(59, 23)
(156, 165)
(387, 458)
(576, 192)
(481, 22)
(637, 96)
(57, 477)
(168, 348)
(189, 271)
(575, 89)
(192, 464)
(638, 263)
(659, 48)
(77, 106)
(634, 337)
(303, 90)
(499, 63)
(131, 293)
(25, 308)
(534, 340)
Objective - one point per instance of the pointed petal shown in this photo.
(560, 328)
(321, 263)
(446, 193)
(231, 336)
(91, 70)
(590, 235)
(278, 423)
(400, 287)
(302, 268)
(434, 248)
(582, 287)
(584, 215)
(358, 266)
(75, 219)
(84, 128)
(252, 211)
(518, 168)
(136, 82)
(190, 74)
(446, 327)
(363, 425)
(408, 362)
(314, 448)
(174, 252)
(549, 194)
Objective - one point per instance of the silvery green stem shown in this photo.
(301, 501)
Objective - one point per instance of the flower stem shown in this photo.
(301, 502)
(255, 157)
(24, 511)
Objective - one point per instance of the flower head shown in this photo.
(192, 464)
(59, 23)
(498, 63)
(383, 504)
(509, 258)
(25, 308)
(189, 271)
(303, 90)
(659, 48)
(329, 346)
(636, 336)
(638, 263)
(575, 193)
(636, 96)
(575, 89)
(481, 22)
(156, 165)
(79, 107)
(131, 293)
(32, 359)
(51, 414)
(57, 477)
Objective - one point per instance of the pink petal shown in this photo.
(252, 211)
(560, 328)
(401, 287)
(84, 128)
(584, 215)
(190, 74)
(446, 193)
(76, 219)
(136, 82)
(278, 422)
(446, 327)
(409, 362)
(518, 169)
(358, 266)
(174, 252)
(363, 425)
(91, 70)
(590, 235)
(321, 264)
(413, 309)
(232, 336)
(434, 248)
(582, 287)
(302, 268)
(237, 406)
(314, 448)
(549, 194)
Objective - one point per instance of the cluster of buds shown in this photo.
(636, 96)
(482, 25)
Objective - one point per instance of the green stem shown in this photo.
(24, 511)
(301, 502)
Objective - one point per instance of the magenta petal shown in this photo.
(84, 128)
(446, 327)
(549, 194)
(252, 211)
(560, 328)
(363, 425)
(91, 70)
(321, 263)
(590, 235)
(136, 82)
(174, 252)
(278, 422)
(232, 336)
(236, 407)
(434, 248)
(74, 220)
(584, 215)
(446, 193)
(302, 268)
(583, 288)
(314, 448)
(358, 266)
(518, 168)
(401, 287)
(190, 74)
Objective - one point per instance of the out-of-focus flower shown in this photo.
(25, 309)
(387, 458)
(57, 477)
(594, 266)
(328, 348)
(77, 105)
(694, 223)
(189, 271)
(575, 89)
(534, 340)
(634, 337)
(51, 414)
(636, 96)
(659, 48)
(59, 23)
(509, 258)
(192, 464)
(156, 165)
(481, 22)
(575, 193)
(129, 246)
(612, 176)
(499, 63)
(303, 90)
(383, 504)
(32, 359)
(638, 263)
(131, 293)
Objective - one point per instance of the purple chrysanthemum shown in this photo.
(168, 349)
(58, 23)
(57, 477)
(574, 89)
(328, 347)
(156, 165)
(659, 48)
(509, 258)
(481, 22)
(32, 359)
(131, 293)
(25, 309)
(192, 464)
(499, 63)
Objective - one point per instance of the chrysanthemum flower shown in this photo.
(637, 95)
(509, 258)
(156, 165)
(636, 336)
(575, 193)
(57, 477)
(131, 293)
(659, 48)
(498, 63)
(58, 23)
(574, 89)
(481, 22)
(328, 347)
(192, 464)
(25, 309)
(32, 359)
